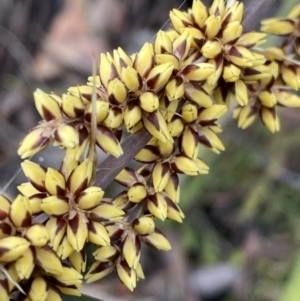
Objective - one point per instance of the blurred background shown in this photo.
(240, 239)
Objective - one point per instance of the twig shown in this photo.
(111, 166)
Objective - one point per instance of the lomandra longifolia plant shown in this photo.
(170, 94)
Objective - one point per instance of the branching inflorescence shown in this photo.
(176, 89)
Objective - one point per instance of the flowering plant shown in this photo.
(168, 98)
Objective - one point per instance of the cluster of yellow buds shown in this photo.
(26, 256)
(176, 89)
(281, 75)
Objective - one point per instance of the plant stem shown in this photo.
(111, 166)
